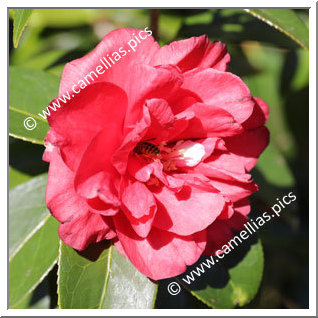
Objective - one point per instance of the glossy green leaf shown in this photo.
(233, 27)
(232, 285)
(17, 121)
(43, 296)
(111, 281)
(20, 21)
(16, 177)
(286, 21)
(127, 287)
(26, 199)
(24, 303)
(30, 91)
(33, 239)
(33, 262)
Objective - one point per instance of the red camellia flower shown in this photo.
(154, 154)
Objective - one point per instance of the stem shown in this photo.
(154, 19)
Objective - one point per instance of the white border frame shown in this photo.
(312, 163)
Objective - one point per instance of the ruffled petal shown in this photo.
(259, 116)
(209, 121)
(60, 196)
(222, 159)
(95, 175)
(176, 210)
(233, 186)
(137, 199)
(221, 89)
(115, 41)
(243, 206)
(249, 145)
(136, 134)
(161, 254)
(162, 119)
(142, 170)
(84, 116)
(147, 82)
(218, 235)
(192, 53)
(86, 229)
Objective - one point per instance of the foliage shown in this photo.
(21, 18)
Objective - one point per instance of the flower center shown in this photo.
(182, 154)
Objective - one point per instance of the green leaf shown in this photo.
(44, 296)
(33, 239)
(111, 281)
(266, 84)
(286, 21)
(16, 177)
(33, 262)
(44, 60)
(235, 28)
(169, 27)
(30, 91)
(26, 199)
(70, 18)
(33, 43)
(275, 168)
(20, 21)
(57, 69)
(228, 285)
(127, 287)
(24, 303)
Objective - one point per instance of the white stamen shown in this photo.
(188, 154)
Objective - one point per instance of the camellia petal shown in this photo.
(162, 254)
(115, 41)
(61, 198)
(175, 210)
(84, 116)
(259, 116)
(210, 121)
(95, 173)
(249, 145)
(154, 152)
(221, 89)
(191, 53)
(138, 199)
(86, 229)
